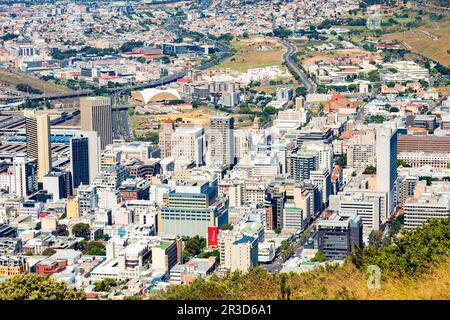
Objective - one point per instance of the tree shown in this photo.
(48, 252)
(370, 170)
(36, 287)
(81, 230)
(192, 246)
(402, 163)
(61, 230)
(319, 257)
(226, 226)
(95, 248)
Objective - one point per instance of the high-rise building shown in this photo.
(25, 175)
(55, 183)
(38, 142)
(96, 115)
(165, 137)
(79, 161)
(386, 150)
(187, 144)
(191, 209)
(339, 235)
(94, 153)
(238, 251)
(222, 141)
(302, 163)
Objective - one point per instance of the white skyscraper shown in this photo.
(222, 141)
(386, 150)
(94, 153)
(187, 143)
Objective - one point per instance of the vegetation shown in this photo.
(370, 170)
(35, 287)
(402, 163)
(81, 230)
(27, 88)
(48, 252)
(192, 246)
(415, 261)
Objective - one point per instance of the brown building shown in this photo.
(429, 144)
(141, 169)
(96, 115)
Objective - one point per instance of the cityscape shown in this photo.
(225, 150)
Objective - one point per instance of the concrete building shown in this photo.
(188, 144)
(222, 141)
(165, 137)
(339, 235)
(37, 129)
(25, 175)
(96, 115)
(238, 251)
(386, 149)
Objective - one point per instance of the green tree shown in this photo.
(319, 257)
(81, 230)
(36, 287)
(61, 230)
(95, 248)
(48, 252)
(226, 226)
(370, 170)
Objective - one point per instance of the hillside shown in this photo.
(415, 266)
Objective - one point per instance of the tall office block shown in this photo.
(94, 153)
(386, 149)
(302, 163)
(339, 235)
(165, 137)
(38, 142)
(187, 143)
(96, 115)
(222, 141)
(79, 161)
(24, 175)
(55, 183)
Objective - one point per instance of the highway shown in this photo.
(287, 57)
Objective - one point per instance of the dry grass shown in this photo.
(254, 53)
(417, 41)
(349, 282)
(12, 79)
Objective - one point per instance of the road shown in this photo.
(278, 262)
(288, 59)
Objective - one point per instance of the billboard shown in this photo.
(213, 233)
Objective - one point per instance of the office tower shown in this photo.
(302, 163)
(56, 185)
(242, 142)
(38, 142)
(187, 144)
(191, 209)
(94, 153)
(165, 137)
(87, 199)
(79, 161)
(238, 251)
(339, 235)
(322, 179)
(231, 99)
(96, 115)
(386, 146)
(85, 158)
(222, 141)
(25, 171)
